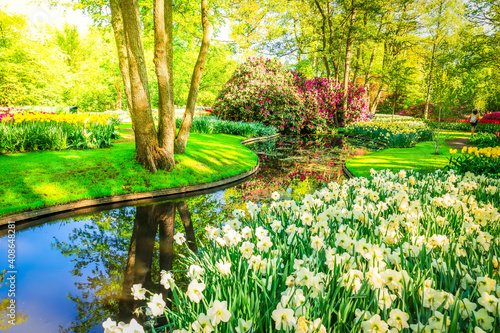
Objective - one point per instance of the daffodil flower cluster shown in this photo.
(400, 252)
(476, 160)
(493, 152)
(30, 131)
(399, 134)
(82, 118)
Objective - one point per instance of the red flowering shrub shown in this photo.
(264, 90)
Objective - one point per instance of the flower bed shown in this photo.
(41, 131)
(11, 109)
(395, 252)
(390, 118)
(402, 134)
(482, 161)
(265, 90)
(484, 125)
(485, 139)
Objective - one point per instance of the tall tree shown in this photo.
(149, 152)
(348, 52)
(187, 119)
(155, 150)
(442, 16)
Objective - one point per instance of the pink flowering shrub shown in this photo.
(261, 90)
(264, 90)
(492, 116)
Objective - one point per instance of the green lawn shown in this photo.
(422, 157)
(47, 178)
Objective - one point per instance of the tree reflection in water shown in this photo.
(149, 220)
(126, 246)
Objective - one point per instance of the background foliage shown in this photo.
(404, 53)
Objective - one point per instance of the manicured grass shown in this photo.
(48, 178)
(420, 158)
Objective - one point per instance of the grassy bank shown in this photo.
(422, 157)
(47, 178)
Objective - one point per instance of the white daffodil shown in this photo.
(489, 302)
(317, 243)
(398, 319)
(374, 325)
(243, 326)
(109, 325)
(218, 312)
(195, 272)
(264, 244)
(156, 305)
(385, 299)
(138, 291)
(195, 290)
(283, 318)
(202, 324)
(275, 196)
(166, 279)
(484, 319)
(179, 238)
(223, 267)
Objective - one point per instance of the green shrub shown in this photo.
(390, 118)
(214, 125)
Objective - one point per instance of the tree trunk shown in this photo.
(148, 152)
(429, 85)
(166, 116)
(435, 43)
(374, 104)
(359, 53)
(335, 64)
(348, 54)
(368, 73)
(166, 232)
(166, 219)
(140, 255)
(395, 102)
(118, 103)
(325, 58)
(187, 119)
(185, 215)
(356, 66)
(117, 23)
(370, 65)
(437, 137)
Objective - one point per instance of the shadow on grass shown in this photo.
(47, 178)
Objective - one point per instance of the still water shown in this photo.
(73, 273)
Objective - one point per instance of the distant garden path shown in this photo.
(459, 143)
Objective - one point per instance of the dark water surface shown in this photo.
(74, 273)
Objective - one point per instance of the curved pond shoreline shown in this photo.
(128, 199)
(132, 198)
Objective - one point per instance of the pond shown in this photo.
(73, 273)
